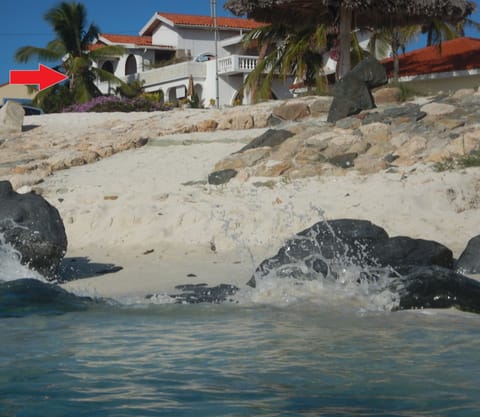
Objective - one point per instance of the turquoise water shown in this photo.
(299, 359)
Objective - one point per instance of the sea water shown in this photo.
(283, 349)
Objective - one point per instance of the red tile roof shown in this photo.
(455, 55)
(127, 39)
(207, 21)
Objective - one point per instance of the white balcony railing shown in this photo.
(232, 64)
(236, 64)
(170, 73)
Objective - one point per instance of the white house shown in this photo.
(172, 49)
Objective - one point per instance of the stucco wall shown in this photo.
(15, 91)
(165, 35)
(444, 84)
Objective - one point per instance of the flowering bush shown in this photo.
(114, 103)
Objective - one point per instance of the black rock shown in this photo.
(400, 251)
(221, 177)
(34, 228)
(469, 261)
(310, 254)
(418, 271)
(272, 137)
(436, 287)
(352, 93)
(311, 251)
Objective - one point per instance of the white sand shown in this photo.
(136, 210)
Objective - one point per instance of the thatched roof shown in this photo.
(367, 13)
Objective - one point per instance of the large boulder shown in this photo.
(312, 252)
(352, 93)
(34, 228)
(11, 117)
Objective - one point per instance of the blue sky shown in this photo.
(21, 22)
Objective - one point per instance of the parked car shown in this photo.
(32, 111)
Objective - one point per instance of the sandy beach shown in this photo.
(151, 210)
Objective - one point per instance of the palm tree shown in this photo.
(286, 53)
(438, 31)
(396, 39)
(71, 46)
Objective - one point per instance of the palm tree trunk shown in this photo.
(396, 61)
(345, 40)
(255, 86)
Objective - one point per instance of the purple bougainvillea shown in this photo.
(117, 104)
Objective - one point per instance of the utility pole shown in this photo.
(213, 11)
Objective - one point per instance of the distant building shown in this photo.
(453, 65)
(174, 49)
(15, 92)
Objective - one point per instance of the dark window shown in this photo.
(131, 65)
(108, 66)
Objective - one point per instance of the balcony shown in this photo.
(237, 64)
(170, 73)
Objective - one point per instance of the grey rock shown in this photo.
(222, 177)
(11, 117)
(352, 93)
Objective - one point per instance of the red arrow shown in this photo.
(44, 77)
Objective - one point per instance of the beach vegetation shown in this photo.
(103, 104)
(394, 39)
(131, 89)
(195, 102)
(469, 160)
(286, 53)
(71, 48)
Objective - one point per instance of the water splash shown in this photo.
(11, 267)
(304, 270)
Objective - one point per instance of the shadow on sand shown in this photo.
(81, 267)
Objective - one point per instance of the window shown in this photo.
(131, 65)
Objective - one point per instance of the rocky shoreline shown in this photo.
(424, 130)
(154, 207)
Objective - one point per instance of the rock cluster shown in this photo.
(53, 142)
(419, 273)
(429, 130)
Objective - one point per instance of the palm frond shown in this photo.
(27, 53)
(103, 75)
(90, 35)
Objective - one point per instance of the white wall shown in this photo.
(197, 41)
(165, 35)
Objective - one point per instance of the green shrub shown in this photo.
(54, 100)
(466, 161)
